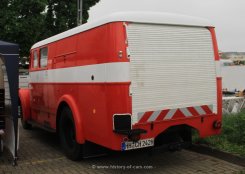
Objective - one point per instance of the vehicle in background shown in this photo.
(224, 62)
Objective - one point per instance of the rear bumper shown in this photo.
(203, 124)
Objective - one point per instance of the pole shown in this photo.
(79, 12)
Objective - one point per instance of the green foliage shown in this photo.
(223, 144)
(86, 6)
(61, 16)
(234, 128)
(232, 138)
(21, 22)
(27, 21)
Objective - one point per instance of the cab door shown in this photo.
(34, 87)
(43, 115)
(39, 89)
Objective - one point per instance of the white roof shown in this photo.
(138, 17)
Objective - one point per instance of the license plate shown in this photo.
(129, 145)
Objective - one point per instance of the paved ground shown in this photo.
(40, 153)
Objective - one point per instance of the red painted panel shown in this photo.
(94, 105)
(145, 117)
(162, 115)
(178, 115)
(215, 44)
(95, 46)
(219, 97)
(24, 96)
(206, 109)
(219, 79)
(193, 111)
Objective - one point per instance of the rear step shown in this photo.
(133, 134)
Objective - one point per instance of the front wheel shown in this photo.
(67, 134)
(1, 145)
(24, 123)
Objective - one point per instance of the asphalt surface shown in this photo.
(40, 152)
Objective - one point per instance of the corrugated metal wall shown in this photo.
(171, 67)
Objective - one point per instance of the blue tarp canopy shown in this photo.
(9, 53)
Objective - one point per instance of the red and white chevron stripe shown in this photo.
(174, 113)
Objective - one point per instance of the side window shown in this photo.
(43, 57)
(35, 60)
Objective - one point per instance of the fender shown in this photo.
(24, 95)
(77, 116)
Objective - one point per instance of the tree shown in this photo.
(27, 21)
(86, 6)
(21, 21)
(62, 14)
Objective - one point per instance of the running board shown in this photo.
(132, 132)
(42, 126)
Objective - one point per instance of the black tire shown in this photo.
(67, 134)
(24, 123)
(1, 145)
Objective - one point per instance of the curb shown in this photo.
(206, 150)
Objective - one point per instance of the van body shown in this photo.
(127, 81)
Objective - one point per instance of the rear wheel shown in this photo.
(24, 123)
(67, 134)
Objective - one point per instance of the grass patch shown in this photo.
(232, 138)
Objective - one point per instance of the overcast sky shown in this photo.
(228, 16)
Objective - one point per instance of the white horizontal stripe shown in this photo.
(154, 116)
(186, 112)
(170, 114)
(140, 115)
(218, 69)
(9, 54)
(199, 110)
(108, 72)
(210, 107)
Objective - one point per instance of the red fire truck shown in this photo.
(127, 81)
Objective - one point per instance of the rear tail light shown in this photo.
(217, 124)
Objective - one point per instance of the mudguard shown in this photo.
(77, 116)
(24, 96)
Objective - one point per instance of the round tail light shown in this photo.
(217, 124)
